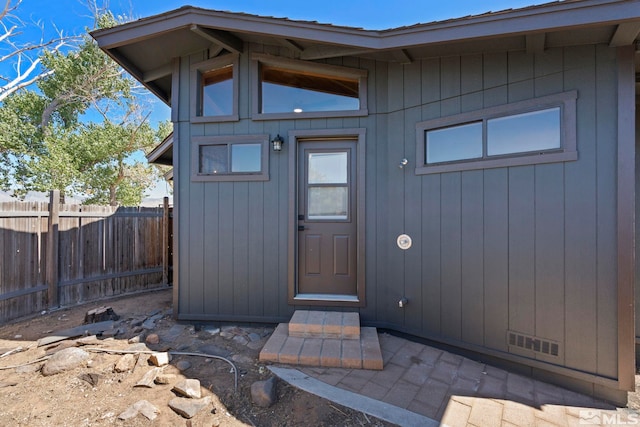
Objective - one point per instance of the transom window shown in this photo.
(230, 158)
(214, 90)
(540, 130)
(289, 91)
(289, 88)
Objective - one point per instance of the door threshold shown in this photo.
(327, 298)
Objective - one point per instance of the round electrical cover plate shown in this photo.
(404, 242)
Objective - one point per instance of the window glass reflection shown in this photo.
(288, 91)
(327, 168)
(520, 133)
(328, 203)
(246, 158)
(213, 159)
(454, 143)
(217, 92)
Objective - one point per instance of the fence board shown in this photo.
(98, 251)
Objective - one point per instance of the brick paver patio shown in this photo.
(457, 391)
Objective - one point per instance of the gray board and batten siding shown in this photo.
(500, 256)
(530, 262)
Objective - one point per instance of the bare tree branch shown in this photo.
(24, 56)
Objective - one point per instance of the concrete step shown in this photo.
(362, 353)
(325, 324)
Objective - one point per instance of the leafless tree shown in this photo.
(24, 56)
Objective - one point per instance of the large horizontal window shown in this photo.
(289, 88)
(230, 158)
(214, 90)
(540, 130)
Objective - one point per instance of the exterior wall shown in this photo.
(530, 249)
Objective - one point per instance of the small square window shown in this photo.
(230, 158)
(213, 159)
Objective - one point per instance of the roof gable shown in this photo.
(146, 47)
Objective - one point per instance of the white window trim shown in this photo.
(199, 141)
(567, 151)
(196, 88)
(297, 65)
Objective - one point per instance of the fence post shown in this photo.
(165, 241)
(52, 247)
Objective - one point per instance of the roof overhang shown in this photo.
(146, 48)
(162, 154)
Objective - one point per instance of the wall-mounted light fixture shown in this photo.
(403, 163)
(277, 143)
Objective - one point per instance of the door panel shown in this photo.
(327, 218)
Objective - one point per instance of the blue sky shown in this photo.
(370, 14)
(72, 16)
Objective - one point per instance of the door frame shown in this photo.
(294, 298)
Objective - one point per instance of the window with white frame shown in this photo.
(540, 130)
(214, 89)
(230, 158)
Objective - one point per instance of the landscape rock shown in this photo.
(150, 323)
(173, 333)
(255, 345)
(183, 365)
(126, 363)
(242, 359)
(89, 340)
(111, 332)
(159, 359)
(164, 378)
(149, 378)
(242, 340)
(129, 413)
(134, 340)
(138, 347)
(254, 337)
(140, 407)
(214, 350)
(188, 408)
(149, 411)
(189, 388)
(100, 315)
(64, 360)
(263, 393)
(92, 378)
(152, 339)
(28, 369)
(56, 348)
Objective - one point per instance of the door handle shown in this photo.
(301, 228)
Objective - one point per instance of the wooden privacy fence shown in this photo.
(57, 255)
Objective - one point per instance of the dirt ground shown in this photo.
(27, 398)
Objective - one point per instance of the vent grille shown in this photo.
(535, 344)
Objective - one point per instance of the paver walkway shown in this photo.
(457, 391)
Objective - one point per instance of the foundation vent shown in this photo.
(535, 344)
